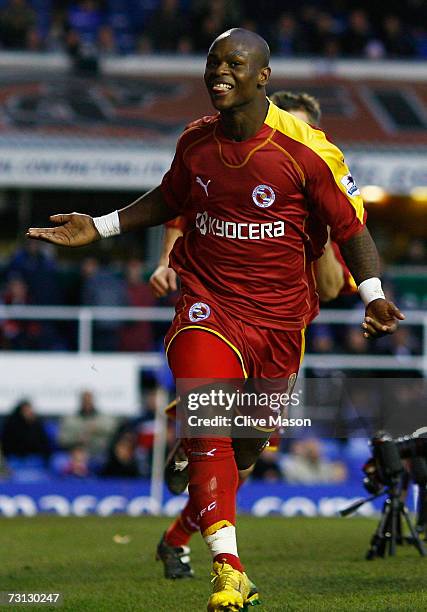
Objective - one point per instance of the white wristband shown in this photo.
(108, 225)
(370, 290)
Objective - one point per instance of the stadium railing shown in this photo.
(86, 316)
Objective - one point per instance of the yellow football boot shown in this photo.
(232, 590)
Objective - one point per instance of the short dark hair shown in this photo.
(288, 101)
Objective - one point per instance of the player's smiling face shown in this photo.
(232, 74)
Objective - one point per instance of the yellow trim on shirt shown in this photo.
(298, 130)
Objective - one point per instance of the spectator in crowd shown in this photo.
(304, 464)
(24, 434)
(122, 461)
(405, 344)
(287, 38)
(102, 287)
(88, 428)
(77, 464)
(167, 30)
(87, 34)
(267, 467)
(37, 266)
(19, 334)
(415, 253)
(142, 427)
(18, 26)
(352, 343)
(33, 277)
(396, 38)
(211, 17)
(326, 41)
(137, 336)
(85, 19)
(358, 34)
(321, 339)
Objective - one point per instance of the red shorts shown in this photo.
(263, 353)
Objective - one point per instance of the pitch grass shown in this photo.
(299, 564)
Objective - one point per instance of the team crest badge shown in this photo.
(263, 196)
(199, 312)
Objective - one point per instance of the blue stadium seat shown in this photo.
(28, 469)
(21, 463)
(58, 462)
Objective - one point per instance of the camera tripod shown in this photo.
(389, 532)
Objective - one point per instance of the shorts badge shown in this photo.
(199, 312)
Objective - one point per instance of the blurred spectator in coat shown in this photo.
(396, 38)
(102, 287)
(24, 334)
(19, 334)
(137, 336)
(18, 25)
(88, 428)
(267, 467)
(212, 17)
(36, 265)
(33, 279)
(358, 34)
(86, 20)
(142, 427)
(24, 433)
(167, 30)
(287, 39)
(305, 464)
(122, 461)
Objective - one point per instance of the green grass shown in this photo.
(298, 564)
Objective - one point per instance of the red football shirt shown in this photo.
(248, 204)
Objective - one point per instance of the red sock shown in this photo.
(231, 560)
(213, 487)
(213, 482)
(183, 527)
(176, 535)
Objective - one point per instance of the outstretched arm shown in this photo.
(361, 256)
(163, 278)
(75, 229)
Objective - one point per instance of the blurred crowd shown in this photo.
(328, 28)
(32, 275)
(93, 444)
(88, 443)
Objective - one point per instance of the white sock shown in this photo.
(222, 541)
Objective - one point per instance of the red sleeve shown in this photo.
(333, 192)
(176, 182)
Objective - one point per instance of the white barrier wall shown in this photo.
(54, 382)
